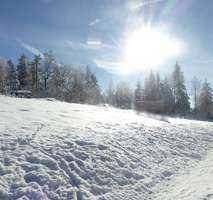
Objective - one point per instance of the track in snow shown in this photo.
(56, 150)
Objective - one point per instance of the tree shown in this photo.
(206, 100)
(157, 87)
(48, 66)
(110, 93)
(78, 86)
(138, 96)
(196, 90)
(55, 88)
(67, 75)
(167, 97)
(3, 65)
(92, 89)
(45, 77)
(35, 71)
(22, 72)
(152, 95)
(12, 82)
(152, 87)
(182, 105)
(123, 96)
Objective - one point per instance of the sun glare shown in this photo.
(147, 48)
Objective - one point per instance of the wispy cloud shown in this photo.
(113, 66)
(110, 66)
(138, 4)
(90, 44)
(94, 22)
(30, 48)
(76, 45)
(119, 67)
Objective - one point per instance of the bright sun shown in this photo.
(146, 48)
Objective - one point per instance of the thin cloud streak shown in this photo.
(30, 48)
(108, 65)
(91, 44)
(94, 22)
(134, 6)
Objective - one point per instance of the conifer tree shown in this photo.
(12, 82)
(55, 88)
(196, 90)
(182, 105)
(48, 66)
(22, 72)
(152, 87)
(138, 96)
(167, 97)
(3, 65)
(206, 100)
(92, 90)
(123, 95)
(35, 71)
(110, 93)
(78, 86)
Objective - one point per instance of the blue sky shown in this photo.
(90, 32)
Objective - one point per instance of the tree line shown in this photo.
(45, 77)
(164, 96)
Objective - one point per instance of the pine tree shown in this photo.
(48, 66)
(196, 90)
(138, 96)
(35, 71)
(78, 86)
(12, 82)
(157, 87)
(22, 72)
(152, 87)
(96, 91)
(110, 93)
(123, 96)
(55, 88)
(92, 89)
(167, 97)
(152, 96)
(182, 105)
(67, 75)
(206, 100)
(3, 65)
(88, 85)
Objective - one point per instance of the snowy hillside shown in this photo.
(55, 150)
(195, 183)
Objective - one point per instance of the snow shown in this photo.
(196, 183)
(55, 150)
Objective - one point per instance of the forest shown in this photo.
(45, 77)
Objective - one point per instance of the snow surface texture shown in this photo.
(55, 150)
(195, 184)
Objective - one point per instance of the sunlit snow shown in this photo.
(56, 150)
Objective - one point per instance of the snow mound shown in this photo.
(55, 150)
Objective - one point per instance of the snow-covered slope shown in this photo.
(56, 150)
(195, 183)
